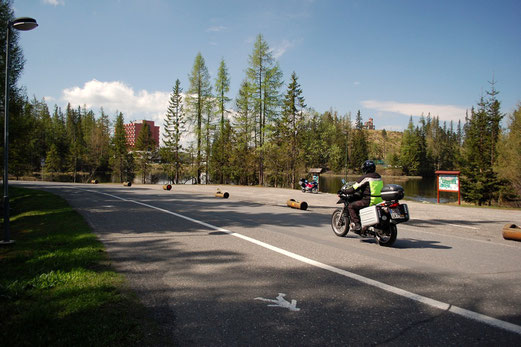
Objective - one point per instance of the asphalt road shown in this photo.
(209, 268)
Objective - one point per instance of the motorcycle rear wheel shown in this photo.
(386, 238)
(339, 223)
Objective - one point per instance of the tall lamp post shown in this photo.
(24, 24)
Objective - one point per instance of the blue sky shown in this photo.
(390, 59)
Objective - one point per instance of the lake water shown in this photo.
(416, 188)
(419, 189)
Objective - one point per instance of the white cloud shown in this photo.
(54, 2)
(117, 96)
(445, 112)
(216, 29)
(279, 50)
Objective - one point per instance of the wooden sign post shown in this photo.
(448, 181)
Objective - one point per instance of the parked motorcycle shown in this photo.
(378, 221)
(311, 187)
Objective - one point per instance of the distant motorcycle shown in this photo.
(378, 221)
(311, 187)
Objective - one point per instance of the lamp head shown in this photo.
(24, 23)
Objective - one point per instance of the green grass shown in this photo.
(56, 284)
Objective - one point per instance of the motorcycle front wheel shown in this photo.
(339, 223)
(386, 238)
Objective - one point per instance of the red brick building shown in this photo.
(132, 132)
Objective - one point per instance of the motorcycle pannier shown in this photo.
(370, 216)
(392, 192)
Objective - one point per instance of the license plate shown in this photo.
(396, 213)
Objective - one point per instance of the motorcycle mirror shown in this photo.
(343, 181)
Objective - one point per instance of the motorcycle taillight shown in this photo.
(395, 205)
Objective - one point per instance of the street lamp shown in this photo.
(24, 24)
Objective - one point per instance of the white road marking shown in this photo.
(281, 302)
(463, 226)
(395, 290)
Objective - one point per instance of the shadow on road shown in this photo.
(203, 290)
(429, 223)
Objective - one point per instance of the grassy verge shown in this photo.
(56, 285)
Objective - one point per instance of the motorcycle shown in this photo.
(306, 186)
(378, 221)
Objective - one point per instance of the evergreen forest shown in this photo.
(265, 135)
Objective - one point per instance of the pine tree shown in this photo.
(174, 126)
(493, 109)
(96, 134)
(222, 149)
(42, 133)
(508, 165)
(480, 183)
(75, 139)
(360, 150)
(346, 145)
(243, 169)
(208, 128)
(146, 145)
(290, 124)
(265, 79)
(59, 132)
(222, 86)
(118, 160)
(198, 96)
(52, 161)
(409, 150)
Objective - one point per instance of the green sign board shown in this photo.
(448, 183)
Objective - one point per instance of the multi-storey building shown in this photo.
(369, 125)
(133, 128)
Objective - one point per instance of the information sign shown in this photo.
(448, 181)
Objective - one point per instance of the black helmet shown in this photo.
(368, 167)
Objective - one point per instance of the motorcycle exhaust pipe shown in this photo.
(298, 205)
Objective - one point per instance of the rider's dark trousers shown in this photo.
(355, 207)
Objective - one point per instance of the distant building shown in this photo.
(369, 124)
(133, 128)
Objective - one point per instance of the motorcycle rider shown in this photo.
(369, 187)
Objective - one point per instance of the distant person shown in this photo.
(369, 186)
